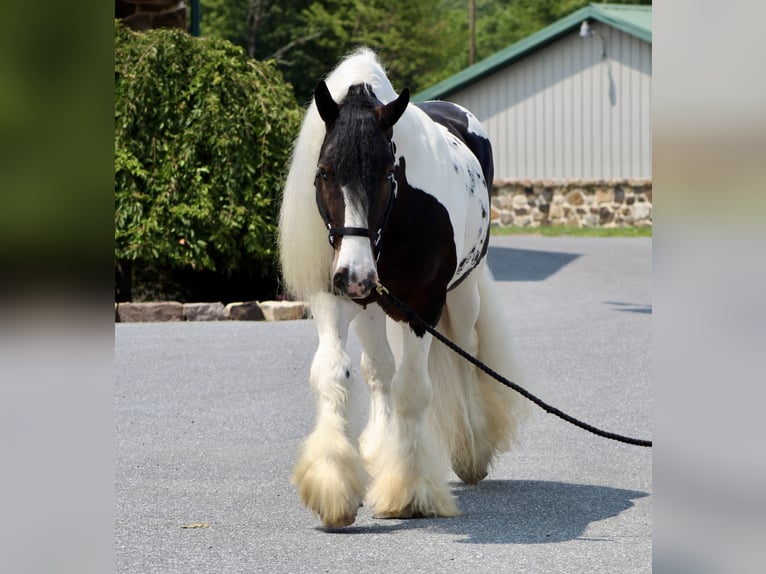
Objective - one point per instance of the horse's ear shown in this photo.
(389, 114)
(326, 106)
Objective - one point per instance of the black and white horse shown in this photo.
(401, 192)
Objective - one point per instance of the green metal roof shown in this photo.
(629, 18)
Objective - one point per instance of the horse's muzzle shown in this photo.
(350, 284)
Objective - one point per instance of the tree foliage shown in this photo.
(412, 38)
(202, 138)
(502, 23)
(420, 42)
(307, 37)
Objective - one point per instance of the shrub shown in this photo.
(202, 140)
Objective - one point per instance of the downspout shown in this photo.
(195, 18)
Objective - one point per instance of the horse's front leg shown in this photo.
(409, 471)
(329, 474)
(378, 367)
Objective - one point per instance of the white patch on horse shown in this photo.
(355, 254)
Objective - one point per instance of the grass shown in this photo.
(562, 230)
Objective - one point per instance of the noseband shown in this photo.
(334, 232)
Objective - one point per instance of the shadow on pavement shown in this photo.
(534, 511)
(511, 264)
(518, 512)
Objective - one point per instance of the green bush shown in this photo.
(203, 136)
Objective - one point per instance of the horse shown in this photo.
(381, 191)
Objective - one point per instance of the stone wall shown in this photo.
(572, 203)
(176, 311)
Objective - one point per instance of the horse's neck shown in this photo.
(417, 137)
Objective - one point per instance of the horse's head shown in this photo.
(355, 181)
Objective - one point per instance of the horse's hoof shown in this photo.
(470, 476)
(405, 512)
(340, 522)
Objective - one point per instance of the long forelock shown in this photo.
(357, 136)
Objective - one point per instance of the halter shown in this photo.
(334, 232)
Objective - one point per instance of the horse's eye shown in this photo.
(321, 172)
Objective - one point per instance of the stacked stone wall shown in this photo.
(572, 203)
(244, 311)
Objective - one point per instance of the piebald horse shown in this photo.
(382, 191)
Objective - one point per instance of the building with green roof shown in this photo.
(571, 101)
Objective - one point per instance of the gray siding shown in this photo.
(564, 112)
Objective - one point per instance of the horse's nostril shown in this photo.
(340, 279)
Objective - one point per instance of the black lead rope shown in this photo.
(498, 377)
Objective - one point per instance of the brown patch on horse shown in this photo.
(417, 254)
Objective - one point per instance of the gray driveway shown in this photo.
(209, 415)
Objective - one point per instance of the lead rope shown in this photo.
(383, 292)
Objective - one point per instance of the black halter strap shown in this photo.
(341, 231)
(334, 232)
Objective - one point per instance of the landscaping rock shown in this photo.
(150, 312)
(205, 312)
(283, 310)
(249, 311)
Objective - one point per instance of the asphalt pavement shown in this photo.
(209, 417)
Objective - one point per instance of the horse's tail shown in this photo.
(476, 416)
